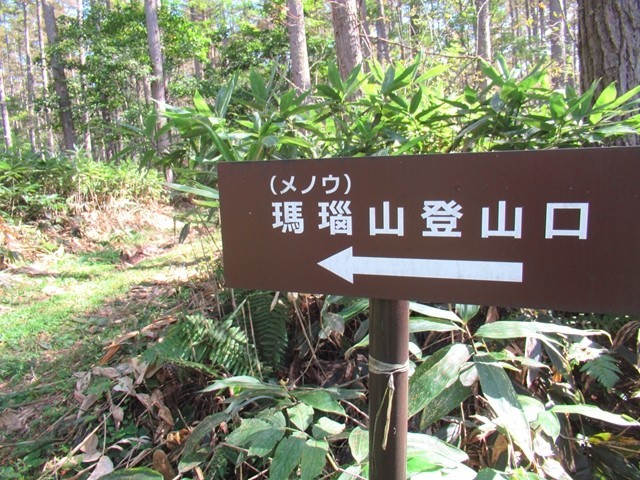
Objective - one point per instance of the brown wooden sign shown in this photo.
(556, 229)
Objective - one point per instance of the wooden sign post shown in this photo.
(553, 229)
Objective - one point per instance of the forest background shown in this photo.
(91, 90)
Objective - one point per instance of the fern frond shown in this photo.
(266, 325)
(201, 342)
(603, 369)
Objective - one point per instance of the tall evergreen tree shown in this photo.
(344, 14)
(609, 45)
(59, 78)
(300, 75)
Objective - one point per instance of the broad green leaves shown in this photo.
(499, 392)
(435, 385)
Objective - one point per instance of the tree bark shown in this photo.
(344, 14)
(83, 87)
(32, 121)
(155, 53)
(382, 33)
(483, 30)
(44, 75)
(300, 75)
(59, 78)
(556, 41)
(4, 111)
(609, 46)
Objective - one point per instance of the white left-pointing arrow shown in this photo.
(345, 265)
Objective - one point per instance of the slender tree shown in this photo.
(382, 33)
(556, 41)
(44, 75)
(59, 78)
(4, 111)
(155, 53)
(300, 75)
(33, 124)
(344, 15)
(83, 87)
(483, 29)
(609, 45)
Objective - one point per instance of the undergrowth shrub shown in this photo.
(33, 186)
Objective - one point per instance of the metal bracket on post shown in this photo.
(388, 388)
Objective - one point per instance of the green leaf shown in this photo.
(258, 435)
(432, 72)
(313, 459)
(334, 77)
(388, 79)
(286, 458)
(492, 73)
(201, 105)
(301, 415)
(499, 392)
(625, 97)
(359, 444)
(328, 92)
(298, 142)
(352, 473)
(191, 455)
(435, 383)
(325, 427)
(467, 312)
(133, 474)
(415, 101)
(607, 96)
(557, 106)
(258, 87)
(320, 400)
(224, 96)
(202, 190)
(595, 412)
(518, 329)
(549, 424)
(421, 324)
(428, 311)
(428, 453)
(443, 453)
(251, 384)
(491, 474)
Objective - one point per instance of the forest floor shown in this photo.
(84, 300)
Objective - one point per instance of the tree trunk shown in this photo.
(300, 75)
(155, 53)
(158, 92)
(344, 14)
(365, 30)
(45, 76)
(32, 121)
(4, 111)
(83, 59)
(59, 78)
(556, 41)
(483, 30)
(382, 33)
(609, 46)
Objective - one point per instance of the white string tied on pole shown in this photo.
(379, 367)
